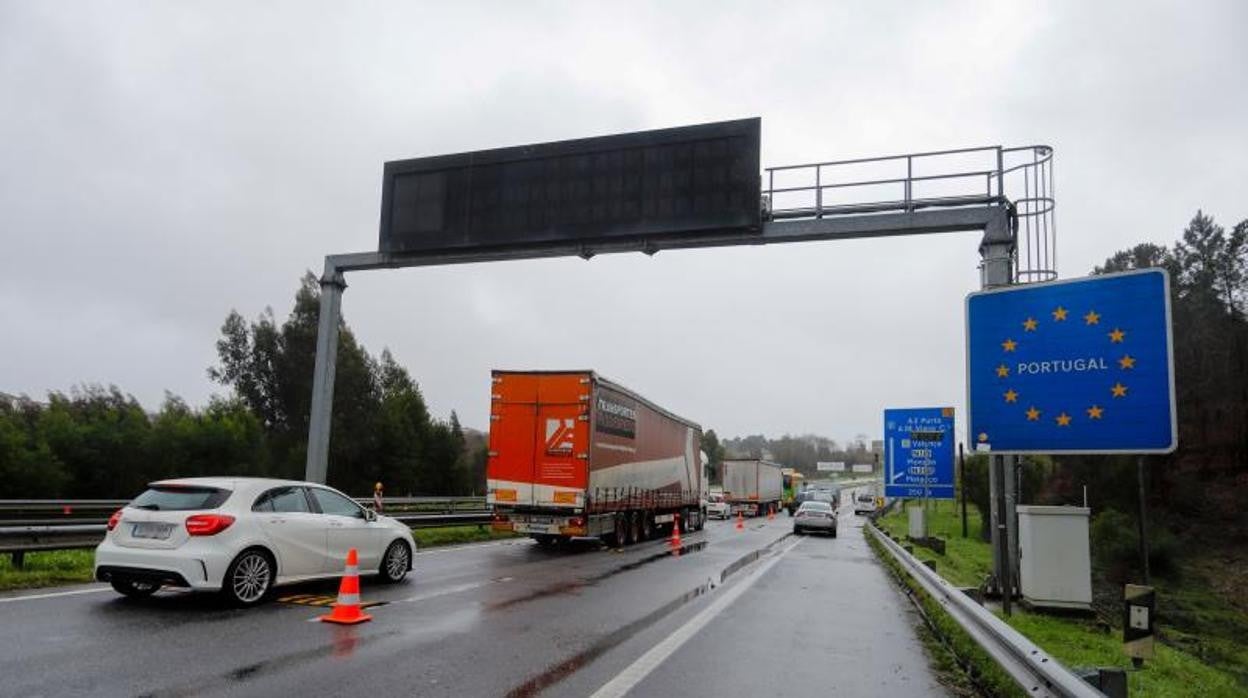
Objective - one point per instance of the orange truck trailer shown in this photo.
(573, 455)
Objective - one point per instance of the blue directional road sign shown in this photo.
(1081, 366)
(918, 452)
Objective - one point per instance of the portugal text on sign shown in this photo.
(1082, 366)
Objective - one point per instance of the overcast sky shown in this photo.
(162, 163)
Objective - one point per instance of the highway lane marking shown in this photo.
(53, 595)
(634, 673)
(455, 589)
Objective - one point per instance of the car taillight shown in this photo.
(114, 519)
(207, 524)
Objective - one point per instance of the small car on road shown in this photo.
(717, 507)
(814, 516)
(864, 503)
(243, 536)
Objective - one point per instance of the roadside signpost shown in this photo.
(918, 452)
(1079, 366)
(1138, 625)
(1076, 366)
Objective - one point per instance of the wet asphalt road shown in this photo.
(754, 612)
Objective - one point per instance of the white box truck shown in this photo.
(752, 485)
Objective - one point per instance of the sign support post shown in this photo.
(1139, 471)
(962, 484)
(323, 372)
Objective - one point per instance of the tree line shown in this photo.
(1198, 490)
(98, 442)
(802, 453)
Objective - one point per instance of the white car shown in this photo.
(717, 507)
(864, 503)
(243, 536)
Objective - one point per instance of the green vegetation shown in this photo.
(45, 569)
(967, 561)
(100, 443)
(454, 535)
(1209, 662)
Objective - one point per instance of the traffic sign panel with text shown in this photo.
(1081, 366)
(918, 452)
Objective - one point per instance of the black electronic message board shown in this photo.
(677, 182)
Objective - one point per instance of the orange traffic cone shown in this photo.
(676, 531)
(740, 522)
(347, 609)
(771, 513)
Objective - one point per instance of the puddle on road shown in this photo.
(343, 644)
(574, 586)
(569, 666)
(566, 668)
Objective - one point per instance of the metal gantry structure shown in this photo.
(1005, 193)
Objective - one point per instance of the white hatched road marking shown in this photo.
(634, 673)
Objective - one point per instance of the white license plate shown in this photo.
(156, 531)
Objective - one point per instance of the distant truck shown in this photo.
(573, 455)
(752, 485)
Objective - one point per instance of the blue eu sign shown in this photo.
(1082, 366)
(918, 452)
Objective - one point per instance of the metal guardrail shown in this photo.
(24, 539)
(1035, 671)
(18, 536)
(109, 505)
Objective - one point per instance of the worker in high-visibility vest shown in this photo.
(377, 497)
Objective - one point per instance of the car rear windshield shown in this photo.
(816, 506)
(180, 498)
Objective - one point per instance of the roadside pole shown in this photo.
(962, 484)
(1143, 518)
(1001, 537)
(997, 270)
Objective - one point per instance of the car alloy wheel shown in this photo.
(249, 578)
(395, 563)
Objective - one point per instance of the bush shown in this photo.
(1116, 546)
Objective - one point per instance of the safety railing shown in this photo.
(1020, 178)
(1035, 671)
(68, 524)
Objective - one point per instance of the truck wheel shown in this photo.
(634, 527)
(619, 538)
(544, 540)
(647, 526)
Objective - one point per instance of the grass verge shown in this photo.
(456, 535)
(45, 569)
(1075, 642)
(56, 567)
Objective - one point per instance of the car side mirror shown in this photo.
(370, 515)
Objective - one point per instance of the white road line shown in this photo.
(454, 590)
(34, 597)
(634, 673)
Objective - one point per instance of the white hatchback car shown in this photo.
(243, 536)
